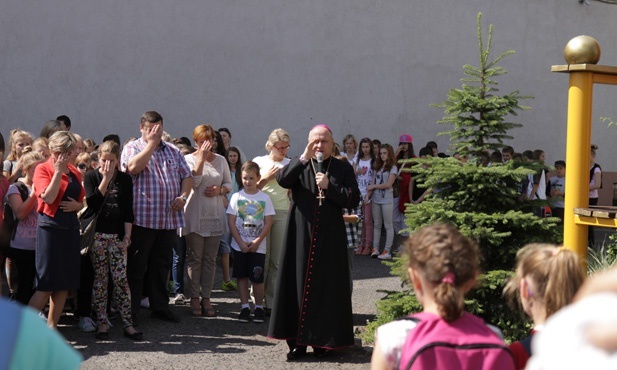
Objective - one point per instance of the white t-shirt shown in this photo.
(594, 193)
(364, 180)
(251, 211)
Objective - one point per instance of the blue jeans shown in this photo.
(177, 267)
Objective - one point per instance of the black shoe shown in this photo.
(245, 315)
(296, 353)
(165, 315)
(137, 336)
(259, 316)
(320, 352)
(102, 335)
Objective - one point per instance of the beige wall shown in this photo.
(371, 68)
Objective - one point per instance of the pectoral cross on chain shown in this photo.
(320, 196)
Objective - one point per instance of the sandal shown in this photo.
(207, 311)
(102, 334)
(195, 307)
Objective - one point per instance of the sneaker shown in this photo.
(385, 256)
(375, 253)
(179, 299)
(259, 315)
(86, 325)
(245, 315)
(399, 250)
(229, 286)
(145, 303)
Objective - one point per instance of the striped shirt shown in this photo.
(157, 185)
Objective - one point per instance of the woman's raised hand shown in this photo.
(204, 150)
(107, 170)
(61, 164)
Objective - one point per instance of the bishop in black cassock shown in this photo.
(312, 305)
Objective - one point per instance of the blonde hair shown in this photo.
(83, 158)
(30, 158)
(15, 135)
(556, 274)
(111, 147)
(275, 136)
(61, 141)
(40, 143)
(89, 144)
(447, 259)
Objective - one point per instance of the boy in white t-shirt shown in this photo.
(250, 214)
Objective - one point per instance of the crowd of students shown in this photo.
(203, 198)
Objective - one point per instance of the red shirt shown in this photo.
(42, 178)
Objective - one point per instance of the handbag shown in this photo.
(87, 224)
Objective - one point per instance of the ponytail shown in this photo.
(449, 261)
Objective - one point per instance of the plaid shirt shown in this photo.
(155, 188)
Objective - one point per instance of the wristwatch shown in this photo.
(183, 197)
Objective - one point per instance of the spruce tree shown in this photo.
(483, 202)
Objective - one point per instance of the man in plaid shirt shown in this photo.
(161, 184)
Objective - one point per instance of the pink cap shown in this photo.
(405, 139)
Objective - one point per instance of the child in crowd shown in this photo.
(443, 266)
(547, 278)
(250, 214)
(23, 243)
(556, 189)
(382, 199)
(40, 145)
(89, 146)
(363, 168)
(18, 140)
(234, 159)
(110, 195)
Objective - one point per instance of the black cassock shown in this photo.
(312, 301)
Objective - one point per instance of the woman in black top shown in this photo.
(110, 192)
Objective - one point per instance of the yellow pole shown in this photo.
(578, 143)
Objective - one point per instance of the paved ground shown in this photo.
(223, 342)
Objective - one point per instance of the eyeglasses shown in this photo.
(281, 148)
(82, 166)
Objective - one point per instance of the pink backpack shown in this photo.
(466, 343)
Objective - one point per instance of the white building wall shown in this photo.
(371, 68)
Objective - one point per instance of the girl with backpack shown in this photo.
(547, 278)
(443, 266)
(23, 203)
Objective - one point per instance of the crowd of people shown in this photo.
(167, 208)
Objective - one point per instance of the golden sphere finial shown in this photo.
(581, 50)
